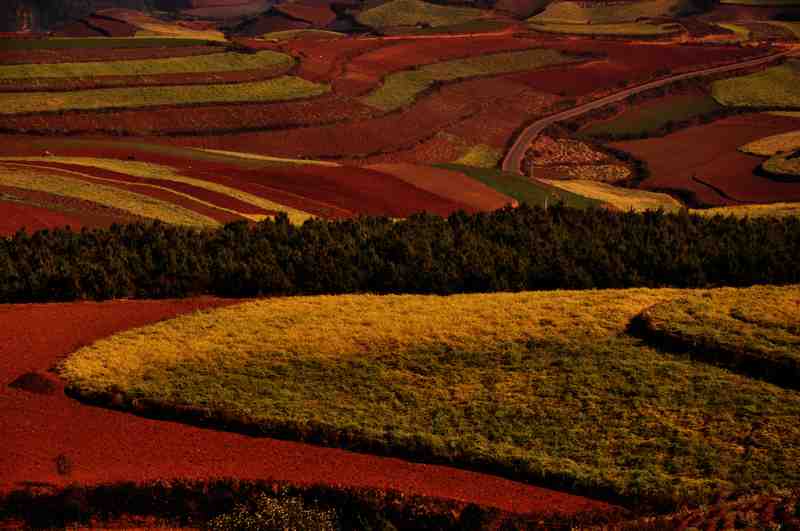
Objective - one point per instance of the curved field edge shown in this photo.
(757, 336)
(543, 387)
(198, 502)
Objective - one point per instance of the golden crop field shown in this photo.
(278, 89)
(412, 12)
(620, 198)
(773, 145)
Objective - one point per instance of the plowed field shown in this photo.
(706, 162)
(78, 55)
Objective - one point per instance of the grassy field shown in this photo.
(156, 172)
(413, 12)
(620, 198)
(278, 89)
(481, 156)
(632, 29)
(773, 145)
(787, 165)
(753, 211)
(401, 88)
(758, 335)
(301, 33)
(648, 118)
(101, 42)
(60, 183)
(778, 86)
(544, 386)
(605, 13)
(218, 62)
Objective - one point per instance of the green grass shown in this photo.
(634, 29)
(778, 86)
(648, 118)
(413, 12)
(601, 13)
(753, 211)
(757, 335)
(278, 89)
(544, 386)
(309, 33)
(101, 42)
(401, 88)
(521, 188)
(481, 156)
(218, 62)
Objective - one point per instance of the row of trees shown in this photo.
(526, 248)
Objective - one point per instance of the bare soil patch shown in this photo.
(705, 161)
(78, 55)
(32, 216)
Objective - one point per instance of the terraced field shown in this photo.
(412, 12)
(622, 29)
(624, 199)
(774, 87)
(569, 12)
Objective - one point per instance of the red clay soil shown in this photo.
(626, 64)
(78, 28)
(437, 149)
(83, 55)
(201, 118)
(324, 61)
(709, 153)
(84, 83)
(162, 195)
(112, 27)
(126, 181)
(17, 216)
(106, 446)
(267, 23)
(318, 16)
(453, 185)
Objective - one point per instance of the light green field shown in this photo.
(601, 13)
(301, 33)
(413, 12)
(481, 156)
(649, 117)
(218, 62)
(634, 29)
(100, 42)
(624, 199)
(70, 184)
(773, 145)
(278, 89)
(547, 386)
(753, 211)
(401, 88)
(787, 165)
(778, 86)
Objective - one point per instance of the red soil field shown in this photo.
(85, 213)
(709, 153)
(121, 179)
(106, 446)
(626, 64)
(163, 195)
(319, 16)
(475, 195)
(435, 150)
(228, 10)
(200, 118)
(112, 27)
(78, 28)
(268, 23)
(326, 61)
(84, 55)
(17, 216)
(201, 78)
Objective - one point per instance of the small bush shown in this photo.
(279, 514)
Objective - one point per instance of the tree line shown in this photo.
(512, 249)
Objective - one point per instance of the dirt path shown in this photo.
(105, 446)
(513, 159)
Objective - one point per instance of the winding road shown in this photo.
(513, 159)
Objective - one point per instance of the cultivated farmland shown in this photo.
(774, 87)
(413, 12)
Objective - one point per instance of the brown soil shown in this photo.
(84, 55)
(32, 217)
(105, 446)
(709, 154)
(317, 16)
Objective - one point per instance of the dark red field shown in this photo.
(79, 55)
(105, 446)
(17, 216)
(709, 154)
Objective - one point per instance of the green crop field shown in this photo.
(218, 62)
(546, 386)
(278, 89)
(401, 88)
(413, 12)
(481, 156)
(624, 199)
(753, 211)
(778, 86)
(606, 13)
(633, 29)
(101, 42)
(521, 188)
(648, 118)
(301, 33)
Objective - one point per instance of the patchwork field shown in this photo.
(624, 199)
(774, 87)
